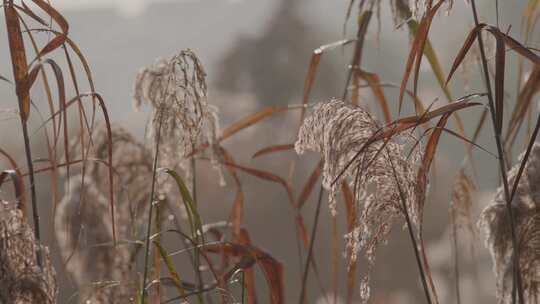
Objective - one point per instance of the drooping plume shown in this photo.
(495, 223)
(339, 131)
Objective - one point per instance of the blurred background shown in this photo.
(256, 54)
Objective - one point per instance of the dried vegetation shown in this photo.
(124, 200)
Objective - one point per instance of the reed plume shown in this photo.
(495, 224)
(337, 131)
(22, 281)
(177, 92)
(104, 273)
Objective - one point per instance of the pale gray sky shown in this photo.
(125, 8)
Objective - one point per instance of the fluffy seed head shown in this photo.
(176, 90)
(495, 223)
(339, 131)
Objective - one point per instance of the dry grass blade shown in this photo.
(374, 83)
(59, 38)
(244, 239)
(430, 54)
(517, 278)
(471, 143)
(429, 154)
(273, 149)
(75, 48)
(25, 9)
(237, 211)
(253, 119)
(302, 230)
(500, 57)
(265, 176)
(18, 58)
(423, 32)
(363, 23)
(61, 93)
(309, 185)
(246, 122)
(272, 269)
(501, 37)
(310, 79)
(20, 73)
(471, 37)
(417, 51)
(312, 70)
(524, 102)
(5, 79)
(513, 44)
(54, 14)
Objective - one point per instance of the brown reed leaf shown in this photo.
(273, 149)
(272, 269)
(309, 185)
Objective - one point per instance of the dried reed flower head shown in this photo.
(84, 232)
(338, 131)
(82, 221)
(22, 281)
(132, 166)
(177, 92)
(495, 223)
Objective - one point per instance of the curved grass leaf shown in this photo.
(415, 54)
(312, 70)
(309, 185)
(171, 268)
(265, 176)
(273, 149)
(272, 269)
(191, 207)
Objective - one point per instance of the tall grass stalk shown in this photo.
(502, 167)
(150, 209)
(311, 246)
(16, 56)
(411, 232)
(35, 212)
(199, 239)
